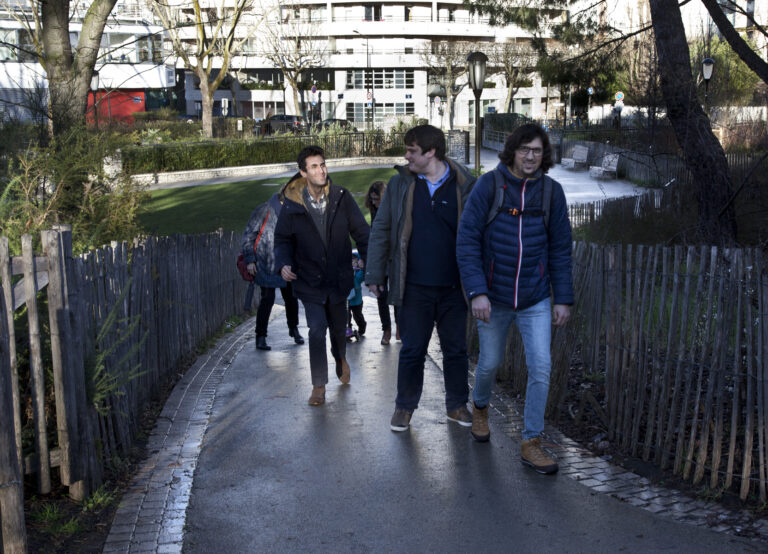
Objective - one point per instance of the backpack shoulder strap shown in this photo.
(498, 196)
(546, 199)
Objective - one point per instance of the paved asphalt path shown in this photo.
(277, 475)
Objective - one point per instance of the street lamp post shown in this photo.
(94, 90)
(476, 69)
(370, 99)
(707, 66)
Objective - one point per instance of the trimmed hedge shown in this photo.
(160, 158)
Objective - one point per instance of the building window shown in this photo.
(382, 78)
(360, 113)
(488, 106)
(373, 12)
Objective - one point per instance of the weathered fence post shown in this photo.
(64, 378)
(36, 372)
(5, 280)
(11, 483)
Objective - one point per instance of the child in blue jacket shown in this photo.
(355, 299)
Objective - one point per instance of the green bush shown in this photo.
(163, 114)
(251, 151)
(177, 130)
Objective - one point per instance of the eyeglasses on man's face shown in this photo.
(525, 150)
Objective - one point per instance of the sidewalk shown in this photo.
(244, 464)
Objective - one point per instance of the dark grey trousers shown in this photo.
(322, 317)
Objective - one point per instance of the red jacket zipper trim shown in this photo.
(520, 239)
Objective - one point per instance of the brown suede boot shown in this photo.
(531, 454)
(343, 371)
(317, 398)
(480, 430)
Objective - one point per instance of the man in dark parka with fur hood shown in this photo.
(314, 251)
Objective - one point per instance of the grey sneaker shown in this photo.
(401, 419)
(461, 416)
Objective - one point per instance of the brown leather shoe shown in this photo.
(343, 371)
(531, 454)
(386, 337)
(317, 398)
(480, 429)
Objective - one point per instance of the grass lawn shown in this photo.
(203, 209)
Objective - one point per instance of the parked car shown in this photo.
(343, 123)
(281, 123)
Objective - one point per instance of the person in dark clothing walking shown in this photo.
(413, 242)
(258, 253)
(314, 252)
(516, 268)
(372, 202)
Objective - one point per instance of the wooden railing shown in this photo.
(121, 321)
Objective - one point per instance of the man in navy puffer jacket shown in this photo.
(511, 268)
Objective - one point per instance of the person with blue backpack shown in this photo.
(514, 254)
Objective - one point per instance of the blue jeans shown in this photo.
(424, 307)
(535, 325)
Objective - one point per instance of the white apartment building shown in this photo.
(374, 64)
(373, 69)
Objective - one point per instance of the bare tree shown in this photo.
(294, 45)
(516, 62)
(206, 38)
(67, 69)
(447, 64)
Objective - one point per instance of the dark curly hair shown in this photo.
(523, 135)
(307, 152)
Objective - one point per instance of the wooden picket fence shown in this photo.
(681, 338)
(121, 321)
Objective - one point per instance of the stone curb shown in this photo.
(251, 171)
(152, 513)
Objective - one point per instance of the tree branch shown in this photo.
(739, 45)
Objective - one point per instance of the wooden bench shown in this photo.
(610, 165)
(579, 156)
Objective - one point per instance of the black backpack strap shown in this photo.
(498, 196)
(498, 200)
(546, 199)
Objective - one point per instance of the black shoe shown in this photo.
(261, 343)
(294, 332)
(361, 329)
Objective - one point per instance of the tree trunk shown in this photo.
(511, 90)
(69, 75)
(206, 103)
(702, 151)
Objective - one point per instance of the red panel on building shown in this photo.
(117, 105)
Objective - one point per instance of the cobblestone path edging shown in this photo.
(152, 512)
(602, 476)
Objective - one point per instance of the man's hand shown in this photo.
(376, 289)
(561, 313)
(287, 274)
(251, 267)
(481, 308)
